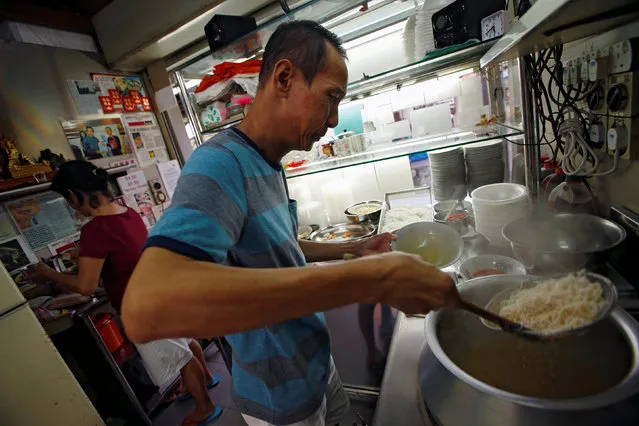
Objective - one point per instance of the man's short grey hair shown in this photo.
(304, 44)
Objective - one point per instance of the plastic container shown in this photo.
(547, 169)
(571, 196)
(553, 181)
(109, 331)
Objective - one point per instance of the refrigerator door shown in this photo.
(10, 296)
(36, 385)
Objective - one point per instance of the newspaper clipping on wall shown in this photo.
(66, 253)
(42, 218)
(136, 194)
(170, 173)
(147, 139)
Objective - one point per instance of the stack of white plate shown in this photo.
(496, 205)
(448, 174)
(484, 164)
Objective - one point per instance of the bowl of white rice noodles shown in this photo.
(556, 306)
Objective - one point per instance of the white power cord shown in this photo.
(579, 157)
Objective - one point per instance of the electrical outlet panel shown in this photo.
(597, 130)
(598, 68)
(620, 99)
(624, 56)
(596, 99)
(573, 71)
(623, 133)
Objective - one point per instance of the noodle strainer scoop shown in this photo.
(494, 305)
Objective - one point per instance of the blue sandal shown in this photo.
(217, 413)
(187, 396)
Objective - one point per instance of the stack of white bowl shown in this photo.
(497, 204)
(448, 174)
(484, 164)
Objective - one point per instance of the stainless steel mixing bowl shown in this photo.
(563, 242)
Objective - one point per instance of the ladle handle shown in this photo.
(504, 324)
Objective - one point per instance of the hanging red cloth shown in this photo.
(226, 70)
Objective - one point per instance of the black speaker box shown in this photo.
(223, 29)
(460, 21)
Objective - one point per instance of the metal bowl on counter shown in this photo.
(343, 232)
(490, 264)
(304, 232)
(364, 212)
(448, 205)
(468, 371)
(563, 242)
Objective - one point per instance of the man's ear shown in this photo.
(283, 74)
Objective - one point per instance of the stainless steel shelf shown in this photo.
(450, 63)
(552, 22)
(408, 147)
(228, 123)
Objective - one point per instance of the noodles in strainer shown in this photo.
(555, 304)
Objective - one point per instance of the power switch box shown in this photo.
(620, 99)
(623, 134)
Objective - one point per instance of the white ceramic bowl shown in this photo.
(437, 244)
(499, 193)
(486, 262)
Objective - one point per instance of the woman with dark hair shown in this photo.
(110, 247)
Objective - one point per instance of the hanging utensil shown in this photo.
(500, 323)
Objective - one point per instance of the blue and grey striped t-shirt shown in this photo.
(231, 207)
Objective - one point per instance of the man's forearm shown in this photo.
(321, 252)
(172, 296)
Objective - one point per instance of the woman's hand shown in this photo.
(39, 273)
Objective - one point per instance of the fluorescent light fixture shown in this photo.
(373, 36)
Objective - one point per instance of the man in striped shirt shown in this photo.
(225, 259)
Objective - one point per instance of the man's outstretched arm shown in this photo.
(170, 295)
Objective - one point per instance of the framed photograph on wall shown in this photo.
(97, 138)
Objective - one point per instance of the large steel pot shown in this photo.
(608, 352)
(563, 242)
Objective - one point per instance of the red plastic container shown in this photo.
(109, 331)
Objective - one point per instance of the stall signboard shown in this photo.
(125, 91)
(147, 138)
(97, 138)
(136, 194)
(42, 218)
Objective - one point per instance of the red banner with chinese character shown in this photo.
(107, 104)
(146, 104)
(129, 105)
(115, 96)
(135, 95)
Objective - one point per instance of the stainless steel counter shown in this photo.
(400, 400)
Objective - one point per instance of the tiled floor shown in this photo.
(175, 413)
